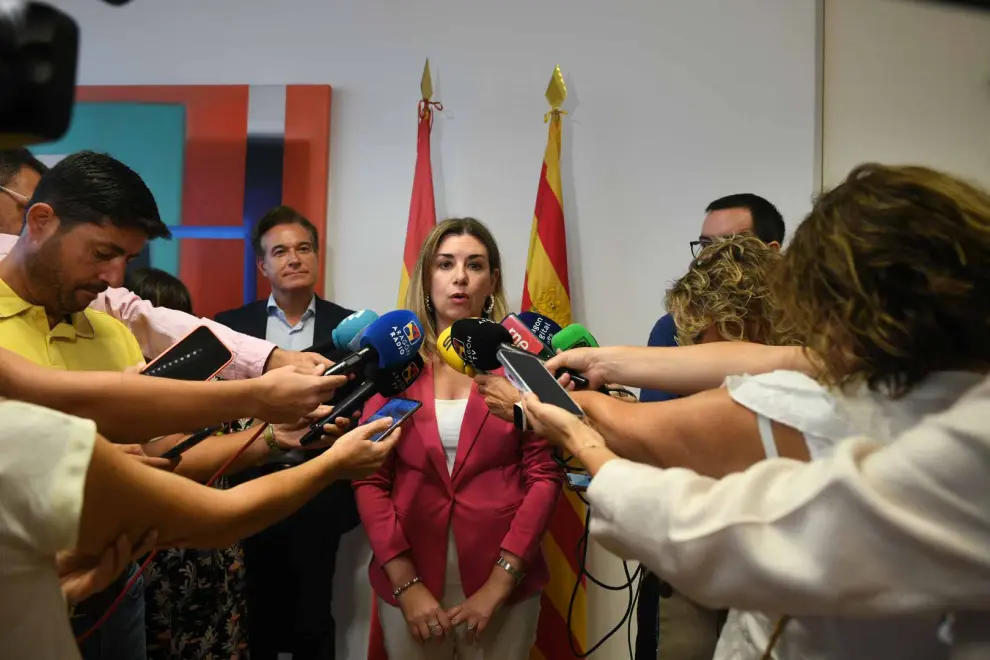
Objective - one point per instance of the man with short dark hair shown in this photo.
(156, 328)
(89, 216)
(670, 626)
(291, 565)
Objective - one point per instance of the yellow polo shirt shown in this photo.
(88, 341)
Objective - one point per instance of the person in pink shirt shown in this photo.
(156, 328)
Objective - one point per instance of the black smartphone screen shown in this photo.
(398, 409)
(198, 356)
(527, 373)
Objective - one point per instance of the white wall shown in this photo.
(671, 105)
(906, 82)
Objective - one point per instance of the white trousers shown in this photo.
(510, 634)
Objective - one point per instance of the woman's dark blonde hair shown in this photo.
(888, 278)
(421, 278)
(727, 287)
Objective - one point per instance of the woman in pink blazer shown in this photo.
(456, 516)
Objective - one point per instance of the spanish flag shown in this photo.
(546, 291)
(422, 220)
(422, 206)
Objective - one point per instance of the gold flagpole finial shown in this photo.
(556, 90)
(426, 84)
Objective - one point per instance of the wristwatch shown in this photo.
(510, 569)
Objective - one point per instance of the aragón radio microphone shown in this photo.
(389, 341)
(388, 382)
(477, 342)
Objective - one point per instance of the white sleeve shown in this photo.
(44, 458)
(870, 530)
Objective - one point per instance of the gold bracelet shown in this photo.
(270, 440)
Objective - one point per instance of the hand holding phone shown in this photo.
(579, 481)
(200, 355)
(398, 409)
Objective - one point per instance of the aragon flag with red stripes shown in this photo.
(547, 291)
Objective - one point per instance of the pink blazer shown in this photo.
(501, 494)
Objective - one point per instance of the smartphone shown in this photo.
(398, 409)
(190, 442)
(200, 355)
(527, 373)
(578, 481)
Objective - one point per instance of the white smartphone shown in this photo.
(527, 373)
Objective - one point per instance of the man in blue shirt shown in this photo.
(678, 629)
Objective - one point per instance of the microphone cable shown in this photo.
(130, 583)
(635, 577)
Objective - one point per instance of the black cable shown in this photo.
(582, 554)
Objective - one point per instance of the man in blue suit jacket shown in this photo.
(677, 629)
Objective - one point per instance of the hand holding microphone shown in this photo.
(389, 354)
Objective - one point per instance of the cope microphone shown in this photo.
(445, 346)
(389, 341)
(543, 327)
(388, 382)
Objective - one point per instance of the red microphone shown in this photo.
(524, 339)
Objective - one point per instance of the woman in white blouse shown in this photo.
(890, 325)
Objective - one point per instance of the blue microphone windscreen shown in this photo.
(351, 327)
(395, 336)
(543, 327)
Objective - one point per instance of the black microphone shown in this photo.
(478, 341)
(387, 382)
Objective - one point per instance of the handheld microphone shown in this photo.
(573, 336)
(542, 326)
(524, 339)
(388, 382)
(477, 342)
(344, 335)
(445, 346)
(527, 340)
(391, 340)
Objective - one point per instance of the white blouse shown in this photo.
(825, 418)
(44, 458)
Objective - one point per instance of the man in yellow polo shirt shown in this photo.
(89, 216)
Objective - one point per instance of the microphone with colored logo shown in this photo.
(390, 340)
(573, 336)
(389, 381)
(345, 335)
(524, 339)
(543, 327)
(445, 346)
(477, 342)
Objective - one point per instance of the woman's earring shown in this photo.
(429, 303)
(489, 306)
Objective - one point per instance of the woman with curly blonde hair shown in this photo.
(725, 295)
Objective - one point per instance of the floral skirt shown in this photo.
(196, 605)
